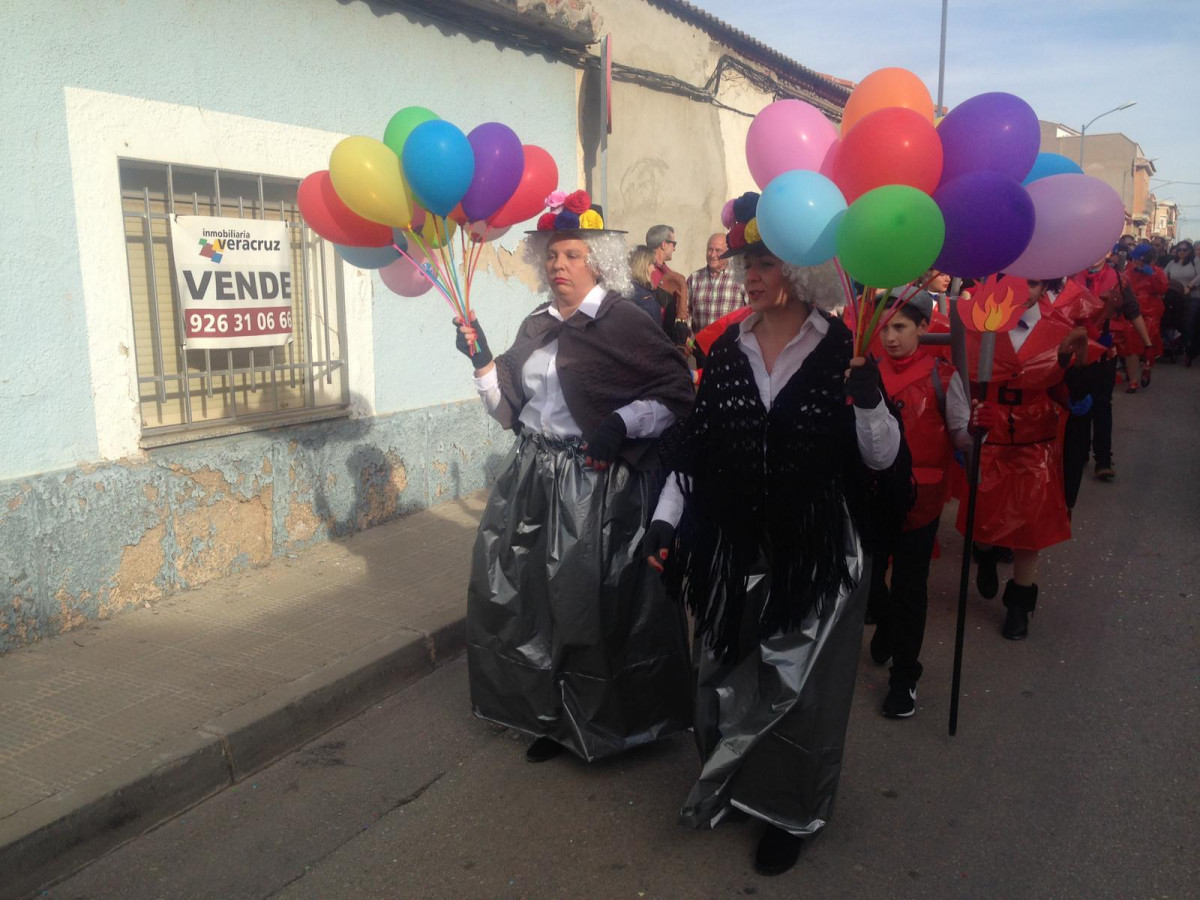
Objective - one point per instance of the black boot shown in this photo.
(987, 579)
(543, 749)
(1019, 601)
(778, 851)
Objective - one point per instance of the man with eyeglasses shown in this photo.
(661, 240)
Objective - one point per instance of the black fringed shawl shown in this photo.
(777, 483)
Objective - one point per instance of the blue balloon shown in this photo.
(1048, 164)
(439, 165)
(373, 257)
(798, 216)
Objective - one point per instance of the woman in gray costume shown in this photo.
(778, 472)
(570, 637)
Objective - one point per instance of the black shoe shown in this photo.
(987, 579)
(543, 749)
(901, 701)
(881, 645)
(1105, 471)
(1145, 378)
(1004, 554)
(777, 852)
(1019, 601)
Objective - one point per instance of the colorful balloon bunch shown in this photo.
(897, 194)
(395, 205)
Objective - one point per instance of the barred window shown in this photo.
(188, 394)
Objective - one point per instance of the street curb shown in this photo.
(56, 837)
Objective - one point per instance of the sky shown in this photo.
(1069, 59)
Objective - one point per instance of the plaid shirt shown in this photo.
(712, 296)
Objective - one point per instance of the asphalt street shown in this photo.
(1075, 772)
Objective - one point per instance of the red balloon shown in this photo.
(329, 217)
(538, 180)
(895, 145)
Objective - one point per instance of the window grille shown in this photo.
(187, 394)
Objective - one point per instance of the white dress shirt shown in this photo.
(877, 430)
(546, 410)
(1024, 325)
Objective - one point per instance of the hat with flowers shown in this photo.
(572, 212)
(743, 234)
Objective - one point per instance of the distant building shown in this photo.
(1116, 160)
(1166, 218)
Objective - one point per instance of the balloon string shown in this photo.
(476, 254)
(444, 284)
(464, 299)
(426, 275)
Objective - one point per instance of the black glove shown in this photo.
(658, 540)
(862, 385)
(680, 331)
(605, 443)
(482, 355)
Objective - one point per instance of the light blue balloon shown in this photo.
(373, 257)
(1048, 164)
(439, 165)
(798, 216)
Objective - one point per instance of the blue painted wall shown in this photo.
(339, 65)
(81, 538)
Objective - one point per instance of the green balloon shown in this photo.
(400, 126)
(890, 236)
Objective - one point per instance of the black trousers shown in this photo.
(900, 610)
(1089, 434)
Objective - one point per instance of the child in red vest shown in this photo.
(1149, 285)
(934, 412)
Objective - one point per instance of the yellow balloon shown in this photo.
(436, 234)
(367, 177)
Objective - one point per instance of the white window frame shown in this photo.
(102, 128)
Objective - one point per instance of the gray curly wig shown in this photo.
(608, 258)
(819, 285)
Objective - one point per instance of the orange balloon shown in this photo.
(884, 88)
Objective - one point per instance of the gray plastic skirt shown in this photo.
(771, 723)
(570, 634)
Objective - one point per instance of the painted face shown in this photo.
(567, 269)
(716, 246)
(939, 283)
(766, 287)
(900, 336)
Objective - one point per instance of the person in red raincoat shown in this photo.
(1092, 377)
(1149, 284)
(934, 411)
(1020, 495)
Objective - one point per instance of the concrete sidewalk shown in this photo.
(111, 728)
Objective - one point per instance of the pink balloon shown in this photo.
(481, 231)
(787, 135)
(403, 278)
(727, 214)
(1077, 220)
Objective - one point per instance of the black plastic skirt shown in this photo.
(771, 722)
(570, 634)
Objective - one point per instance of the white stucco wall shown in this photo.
(267, 87)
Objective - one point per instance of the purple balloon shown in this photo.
(499, 164)
(990, 132)
(1079, 218)
(989, 221)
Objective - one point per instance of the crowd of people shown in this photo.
(784, 497)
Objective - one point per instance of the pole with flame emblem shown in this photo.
(996, 307)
